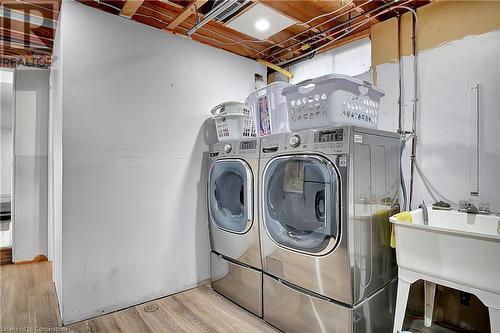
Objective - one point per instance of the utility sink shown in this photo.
(460, 247)
(455, 249)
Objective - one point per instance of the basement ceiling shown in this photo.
(320, 25)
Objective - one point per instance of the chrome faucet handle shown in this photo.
(462, 204)
(483, 208)
(467, 206)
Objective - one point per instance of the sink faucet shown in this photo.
(425, 213)
(467, 206)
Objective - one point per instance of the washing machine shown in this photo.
(326, 198)
(236, 264)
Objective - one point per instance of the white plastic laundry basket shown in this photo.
(333, 99)
(270, 109)
(233, 121)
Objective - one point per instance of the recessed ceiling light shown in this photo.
(260, 21)
(262, 25)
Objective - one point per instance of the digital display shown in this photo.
(246, 145)
(329, 136)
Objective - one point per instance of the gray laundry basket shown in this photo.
(332, 100)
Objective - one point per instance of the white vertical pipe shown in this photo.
(474, 143)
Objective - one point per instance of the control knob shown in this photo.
(228, 148)
(294, 141)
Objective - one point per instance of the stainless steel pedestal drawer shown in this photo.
(241, 284)
(295, 310)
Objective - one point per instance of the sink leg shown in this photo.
(401, 300)
(494, 319)
(430, 292)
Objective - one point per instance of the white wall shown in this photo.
(6, 97)
(55, 164)
(351, 59)
(30, 163)
(445, 123)
(135, 102)
(446, 116)
(6, 160)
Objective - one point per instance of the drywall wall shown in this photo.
(6, 105)
(351, 59)
(55, 164)
(30, 163)
(445, 21)
(6, 160)
(456, 50)
(446, 118)
(450, 62)
(135, 104)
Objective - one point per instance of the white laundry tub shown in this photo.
(458, 247)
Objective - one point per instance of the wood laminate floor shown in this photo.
(28, 303)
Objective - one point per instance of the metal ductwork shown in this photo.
(223, 6)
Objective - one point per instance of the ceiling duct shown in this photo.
(221, 7)
(232, 10)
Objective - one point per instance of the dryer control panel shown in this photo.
(328, 141)
(243, 148)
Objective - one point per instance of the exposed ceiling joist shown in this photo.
(130, 7)
(191, 9)
(173, 4)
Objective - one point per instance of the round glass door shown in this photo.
(230, 195)
(300, 202)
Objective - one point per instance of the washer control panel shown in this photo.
(244, 148)
(328, 141)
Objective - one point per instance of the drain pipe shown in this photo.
(415, 101)
(415, 106)
(400, 122)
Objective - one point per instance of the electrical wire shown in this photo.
(26, 34)
(241, 42)
(307, 30)
(327, 14)
(429, 186)
(232, 41)
(347, 32)
(402, 178)
(157, 11)
(38, 6)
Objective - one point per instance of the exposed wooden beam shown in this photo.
(361, 11)
(130, 7)
(191, 9)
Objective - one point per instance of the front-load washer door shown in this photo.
(230, 195)
(301, 203)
